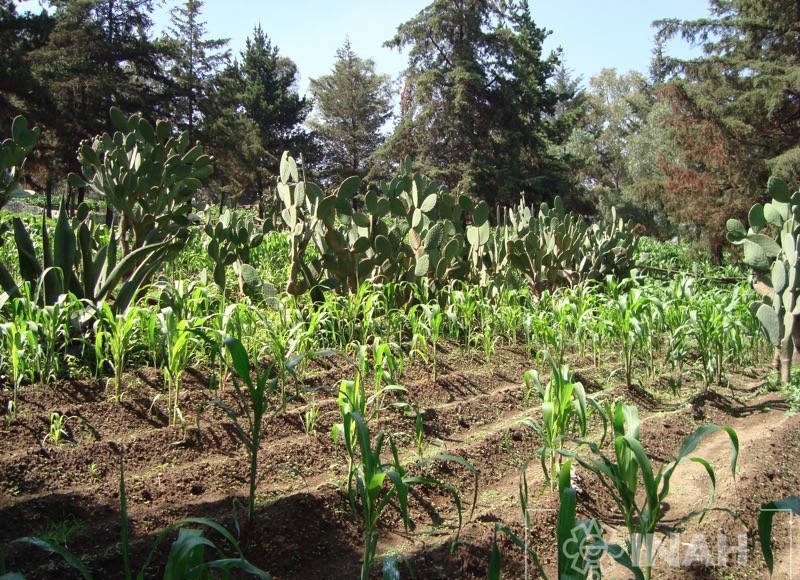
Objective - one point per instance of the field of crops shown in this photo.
(401, 390)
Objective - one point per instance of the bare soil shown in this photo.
(304, 527)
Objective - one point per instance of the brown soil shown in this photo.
(304, 528)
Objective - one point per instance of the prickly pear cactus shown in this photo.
(13, 153)
(405, 229)
(229, 242)
(771, 246)
(147, 174)
(558, 248)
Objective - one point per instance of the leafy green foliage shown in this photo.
(254, 400)
(13, 153)
(352, 103)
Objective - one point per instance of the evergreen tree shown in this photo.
(255, 113)
(480, 111)
(352, 104)
(19, 92)
(242, 166)
(194, 63)
(736, 108)
(97, 55)
(270, 98)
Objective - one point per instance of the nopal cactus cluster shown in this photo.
(13, 153)
(771, 247)
(410, 229)
(228, 242)
(558, 248)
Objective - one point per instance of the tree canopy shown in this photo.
(352, 102)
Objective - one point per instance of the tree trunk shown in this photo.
(222, 196)
(786, 350)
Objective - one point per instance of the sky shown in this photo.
(594, 34)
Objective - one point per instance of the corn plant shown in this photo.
(180, 339)
(186, 558)
(53, 326)
(151, 337)
(309, 419)
(765, 518)
(579, 543)
(385, 374)
(488, 342)
(631, 318)
(231, 320)
(16, 340)
(620, 475)
(58, 428)
(565, 412)
(420, 332)
(115, 336)
(434, 316)
(716, 333)
(378, 484)
(254, 402)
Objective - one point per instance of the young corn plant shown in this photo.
(186, 559)
(378, 484)
(565, 412)
(309, 418)
(630, 321)
(255, 393)
(420, 332)
(52, 323)
(621, 473)
(434, 316)
(16, 340)
(488, 341)
(115, 337)
(579, 543)
(716, 332)
(181, 340)
(58, 428)
(150, 336)
(385, 374)
(352, 399)
(766, 516)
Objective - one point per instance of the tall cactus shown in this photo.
(771, 246)
(147, 174)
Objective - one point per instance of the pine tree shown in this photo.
(97, 55)
(255, 113)
(194, 63)
(352, 104)
(19, 92)
(481, 111)
(270, 98)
